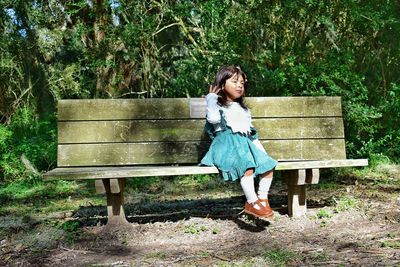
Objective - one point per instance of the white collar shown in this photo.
(237, 118)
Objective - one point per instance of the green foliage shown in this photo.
(194, 228)
(280, 257)
(30, 137)
(37, 189)
(44, 198)
(131, 49)
(72, 229)
(156, 255)
(323, 213)
(144, 183)
(345, 203)
(391, 242)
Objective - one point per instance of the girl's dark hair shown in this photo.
(223, 74)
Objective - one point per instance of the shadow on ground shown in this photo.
(176, 210)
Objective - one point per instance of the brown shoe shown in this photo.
(265, 204)
(262, 212)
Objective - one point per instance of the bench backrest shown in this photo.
(115, 132)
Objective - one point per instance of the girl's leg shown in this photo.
(247, 183)
(263, 188)
(265, 184)
(253, 205)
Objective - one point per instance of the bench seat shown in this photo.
(83, 173)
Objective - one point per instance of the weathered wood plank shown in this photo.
(79, 173)
(188, 152)
(299, 128)
(167, 108)
(312, 149)
(191, 130)
(121, 109)
(322, 106)
(129, 154)
(130, 131)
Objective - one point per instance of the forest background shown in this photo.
(51, 50)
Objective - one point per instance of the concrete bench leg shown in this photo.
(297, 203)
(297, 194)
(114, 189)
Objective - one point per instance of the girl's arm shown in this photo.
(213, 115)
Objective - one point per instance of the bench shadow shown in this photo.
(177, 210)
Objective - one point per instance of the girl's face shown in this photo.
(234, 87)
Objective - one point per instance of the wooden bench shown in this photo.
(113, 139)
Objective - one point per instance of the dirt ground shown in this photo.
(351, 225)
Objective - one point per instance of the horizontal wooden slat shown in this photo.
(118, 172)
(188, 152)
(191, 130)
(313, 149)
(323, 106)
(299, 128)
(121, 109)
(130, 131)
(167, 108)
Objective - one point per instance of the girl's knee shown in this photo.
(249, 172)
(268, 174)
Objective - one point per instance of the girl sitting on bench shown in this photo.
(235, 149)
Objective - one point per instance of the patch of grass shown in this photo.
(391, 244)
(204, 254)
(391, 235)
(156, 255)
(150, 184)
(327, 185)
(72, 230)
(346, 203)
(37, 239)
(24, 197)
(323, 213)
(380, 170)
(242, 263)
(194, 229)
(22, 190)
(13, 224)
(324, 223)
(280, 257)
(320, 256)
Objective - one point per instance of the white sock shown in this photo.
(263, 187)
(247, 183)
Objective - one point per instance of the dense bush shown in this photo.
(165, 48)
(27, 144)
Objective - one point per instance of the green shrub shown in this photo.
(27, 137)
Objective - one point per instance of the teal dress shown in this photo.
(234, 153)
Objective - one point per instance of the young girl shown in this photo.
(235, 149)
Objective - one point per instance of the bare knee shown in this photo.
(268, 174)
(249, 172)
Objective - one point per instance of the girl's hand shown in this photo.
(214, 89)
